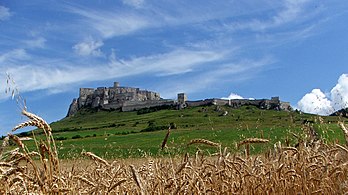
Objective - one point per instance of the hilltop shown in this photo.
(343, 113)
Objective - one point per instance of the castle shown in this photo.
(130, 99)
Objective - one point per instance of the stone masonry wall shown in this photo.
(129, 99)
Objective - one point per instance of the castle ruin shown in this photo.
(130, 99)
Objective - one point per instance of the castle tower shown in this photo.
(116, 84)
(182, 98)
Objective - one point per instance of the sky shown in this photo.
(294, 49)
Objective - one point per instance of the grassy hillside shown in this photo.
(132, 134)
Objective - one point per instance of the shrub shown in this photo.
(154, 128)
(76, 137)
(61, 138)
(173, 125)
(24, 134)
(135, 124)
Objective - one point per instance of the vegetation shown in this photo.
(128, 134)
(313, 166)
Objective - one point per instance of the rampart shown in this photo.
(130, 99)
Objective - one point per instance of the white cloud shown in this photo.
(36, 43)
(110, 24)
(4, 13)
(89, 48)
(233, 96)
(222, 73)
(316, 102)
(178, 61)
(14, 56)
(134, 3)
(292, 11)
(339, 94)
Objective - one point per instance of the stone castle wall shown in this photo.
(115, 97)
(129, 99)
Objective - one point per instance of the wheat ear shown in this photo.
(203, 141)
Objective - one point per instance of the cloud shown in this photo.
(13, 56)
(316, 102)
(36, 43)
(4, 13)
(133, 3)
(178, 61)
(233, 96)
(291, 12)
(221, 73)
(339, 94)
(89, 48)
(109, 24)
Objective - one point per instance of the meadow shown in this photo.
(139, 134)
(192, 151)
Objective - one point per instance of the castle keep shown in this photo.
(130, 99)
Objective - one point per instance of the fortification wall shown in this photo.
(285, 106)
(131, 106)
(199, 103)
(112, 106)
(129, 99)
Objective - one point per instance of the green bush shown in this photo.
(154, 128)
(76, 137)
(61, 138)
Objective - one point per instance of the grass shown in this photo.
(119, 134)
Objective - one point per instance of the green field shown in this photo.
(113, 134)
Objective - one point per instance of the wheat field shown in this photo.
(313, 167)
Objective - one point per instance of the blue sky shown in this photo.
(295, 49)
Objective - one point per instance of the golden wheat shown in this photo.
(252, 141)
(203, 141)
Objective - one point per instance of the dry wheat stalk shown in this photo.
(252, 141)
(5, 143)
(290, 148)
(16, 139)
(165, 139)
(137, 179)
(203, 141)
(41, 122)
(342, 147)
(345, 132)
(96, 158)
(27, 124)
(85, 180)
(116, 184)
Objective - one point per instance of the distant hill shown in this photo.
(343, 112)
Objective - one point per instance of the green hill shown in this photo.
(114, 134)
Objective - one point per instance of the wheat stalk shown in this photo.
(95, 158)
(137, 179)
(164, 142)
(345, 132)
(252, 141)
(203, 141)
